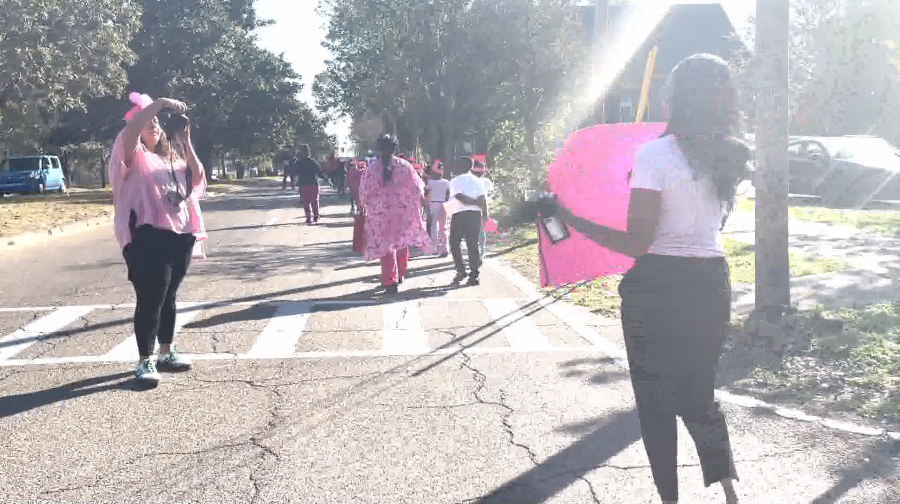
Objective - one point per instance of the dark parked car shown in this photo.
(846, 172)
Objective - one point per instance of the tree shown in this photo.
(244, 98)
(843, 68)
(57, 54)
(448, 70)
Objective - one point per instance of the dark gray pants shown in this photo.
(466, 225)
(675, 317)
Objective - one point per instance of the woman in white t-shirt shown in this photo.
(676, 299)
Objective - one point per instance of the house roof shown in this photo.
(685, 30)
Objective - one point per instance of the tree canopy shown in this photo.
(67, 66)
(441, 72)
(845, 64)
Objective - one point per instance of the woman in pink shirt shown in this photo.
(156, 188)
(392, 196)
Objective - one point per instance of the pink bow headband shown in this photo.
(140, 101)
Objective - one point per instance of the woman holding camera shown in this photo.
(157, 183)
(676, 299)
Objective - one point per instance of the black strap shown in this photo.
(188, 175)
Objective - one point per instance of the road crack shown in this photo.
(505, 419)
(481, 380)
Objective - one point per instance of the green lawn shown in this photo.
(885, 222)
(853, 365)
(519, 246)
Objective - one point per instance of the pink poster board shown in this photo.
(590, 177)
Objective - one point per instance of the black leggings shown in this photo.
(675, 317)
(157, 263)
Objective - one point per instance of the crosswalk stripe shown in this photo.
(127, 350)
(521, 332)
(19, 340)
(403, 333)
(281, 334)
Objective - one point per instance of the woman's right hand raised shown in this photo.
(178, 107)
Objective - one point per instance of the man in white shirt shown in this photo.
(468, 211)
(479, 171)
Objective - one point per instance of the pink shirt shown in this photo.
(142, 186)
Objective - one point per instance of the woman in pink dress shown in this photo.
(157, 184)
(392, 195)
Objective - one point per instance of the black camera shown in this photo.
(173, 124)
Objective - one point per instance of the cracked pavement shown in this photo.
(461, 427)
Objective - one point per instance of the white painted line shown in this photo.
(271, 221)
(521, 332)
(128, 351)
(403, 333)
(323, 355)
(513, 277)
(279, 338)
(45, 326)
(28, 309)
(569, 316)
(225, 302)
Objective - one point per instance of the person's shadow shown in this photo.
(13, 405)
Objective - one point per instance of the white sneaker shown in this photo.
(146, 373)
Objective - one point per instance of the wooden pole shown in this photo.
(645, 87)
(772, 258)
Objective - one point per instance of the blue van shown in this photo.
(31, 174)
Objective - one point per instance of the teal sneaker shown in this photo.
(146, 373)
(173, 362)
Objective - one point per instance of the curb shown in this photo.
(576, 320)
(37, 237)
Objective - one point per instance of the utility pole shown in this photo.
(773, 286)
(601, 27)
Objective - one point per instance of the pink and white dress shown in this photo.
(394, 218)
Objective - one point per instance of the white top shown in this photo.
(691, 217)
(468, 185)
(488, 185)
(437, 190)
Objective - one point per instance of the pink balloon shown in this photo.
(490, 226)
(590, 177)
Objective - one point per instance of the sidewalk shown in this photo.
(871, 274)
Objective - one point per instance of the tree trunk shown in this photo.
(102, 170)
(204, 148)
(772, 258)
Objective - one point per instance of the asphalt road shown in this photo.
(310, 386)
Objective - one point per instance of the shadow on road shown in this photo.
(880, 462)
(16, 404)
(606, 438)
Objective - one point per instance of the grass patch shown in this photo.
(742, 260)
(884, 222)
(519, 246)
(852, 365)
(27, 213)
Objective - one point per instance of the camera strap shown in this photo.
(189, 186)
